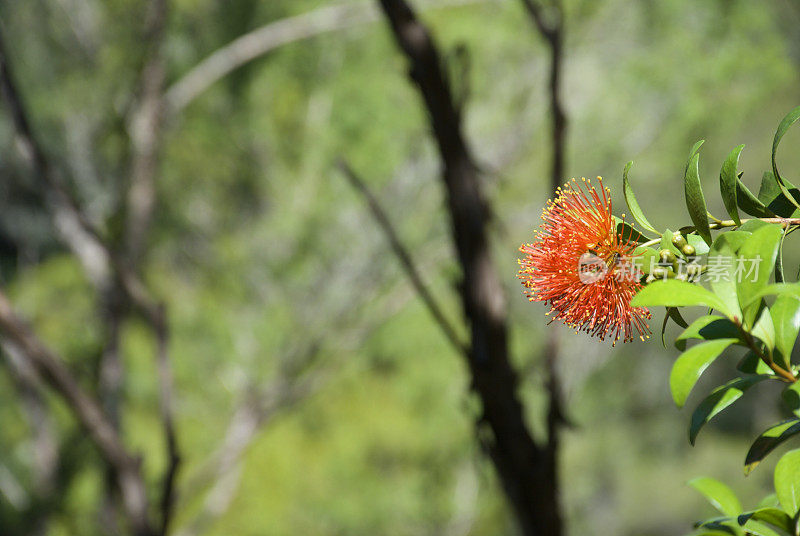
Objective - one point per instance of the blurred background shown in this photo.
(312, 392)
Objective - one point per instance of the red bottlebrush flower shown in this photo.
(582, 268)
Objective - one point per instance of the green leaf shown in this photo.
(675, 314)
(786, 319)
(695, 202)
(749, 203)
(768, 441)
(722, 397)
(779, 276)
(736, 239)
(691, 364)
(779, 289)
(753, 225)
(722, 257)
(759, 253)
(764, 328)
(627, 233)
(787, 121)
(700, 246)
(718, 494)
(755, 528)
(787, 481)
(673, 293)
(772, 196)
(791, 396)
(727, 184)
(707, 327)
(695, 148)
(774, 516)
(644, 258)
(752, 364)
(630, 200)
(666, 243)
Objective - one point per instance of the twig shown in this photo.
(406, 261)
(520, 462)
(271, 36)
(50, 367)
(552, 30)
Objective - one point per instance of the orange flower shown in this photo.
(582, 268)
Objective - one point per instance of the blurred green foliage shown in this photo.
(261, 251)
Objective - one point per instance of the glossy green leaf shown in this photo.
(758, 256)
(727, 184)
(764, 329)
(691, 364)
(718, 400)
(755, 528)
(749, 203)
(719, 495)
(776, 289)
(772, 196)
(786, 319)
(774, 516)
(700, 246)
(633, 204)
(707, 327)
(784, 125)
(673, 293)
(645, 258)
(695, 202)
(722, 264)
(779, 275)
(752, 364)
(674, 314)
(787, 481)
(768, 441)
(791, 397)
(694, 149)
(721, 525)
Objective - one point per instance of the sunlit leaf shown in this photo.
(673, 293)
(633, 204)
(758, 254)
(718, 400)
(784, 125)
(718, 494)
(691, 364)
(695, 202)
(787, 481)
(707, 327)
(786, 319)
(774, 516)
(768, 441)
(727, 184)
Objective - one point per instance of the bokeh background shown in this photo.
(280, 286)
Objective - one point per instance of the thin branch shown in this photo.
(551, 27)
(262, 40)
(521, 464)
(97, 257)
(88, 412)
(406, 261)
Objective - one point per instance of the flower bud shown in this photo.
(678, 240)
(689, 250)
(667, 256)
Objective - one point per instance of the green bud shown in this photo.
(688, 250)
(678, 240)
(667, 256)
